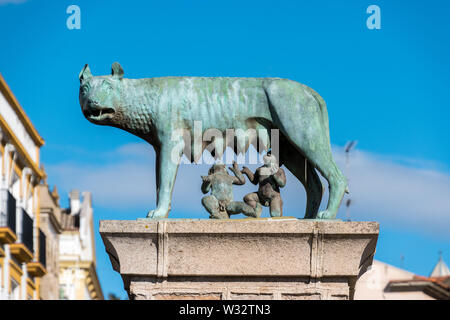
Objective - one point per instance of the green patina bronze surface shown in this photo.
(220, 203)
(162, 110)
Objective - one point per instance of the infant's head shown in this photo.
(270, 164)
(216, 168)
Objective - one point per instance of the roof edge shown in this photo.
(4, 88)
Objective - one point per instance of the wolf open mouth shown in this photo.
(97, 113)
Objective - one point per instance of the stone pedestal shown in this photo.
(275, 258)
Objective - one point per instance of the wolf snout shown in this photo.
(94, 111)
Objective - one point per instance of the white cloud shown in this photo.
(381, 188)
(123, 184)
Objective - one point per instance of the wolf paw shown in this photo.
(156, 214)
(325, 215)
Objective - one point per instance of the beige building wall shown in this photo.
(51, 226)
(372, 284)
(32, 223)
(20, 173)
(77, 276)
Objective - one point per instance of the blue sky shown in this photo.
(386, 88)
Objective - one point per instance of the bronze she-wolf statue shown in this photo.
(162, 110)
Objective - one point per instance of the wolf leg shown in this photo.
(320, 157)
(167, 161)
(294, 161)
(314, 192)
(304, 121)
(337, 185)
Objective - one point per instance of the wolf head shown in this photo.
(100, 97)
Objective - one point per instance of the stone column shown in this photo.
(271, 258)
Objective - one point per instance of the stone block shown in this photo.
(267, 258)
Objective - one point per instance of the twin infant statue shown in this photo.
(220, 203)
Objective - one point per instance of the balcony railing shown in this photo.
(26, 237)
(8, 210)
(25, 227)
(42, 248)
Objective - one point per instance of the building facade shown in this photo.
(386, 282)
(22, 242)
(78, 278)
(50, 214)
(71, 263)
(46, 252)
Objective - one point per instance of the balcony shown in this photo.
(23, 248)
(37, 268)
(7, 217)
(26, 235)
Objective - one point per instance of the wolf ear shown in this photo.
(116, 70)
(85, 73)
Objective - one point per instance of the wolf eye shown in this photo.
(84, 90)
(107, 85)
